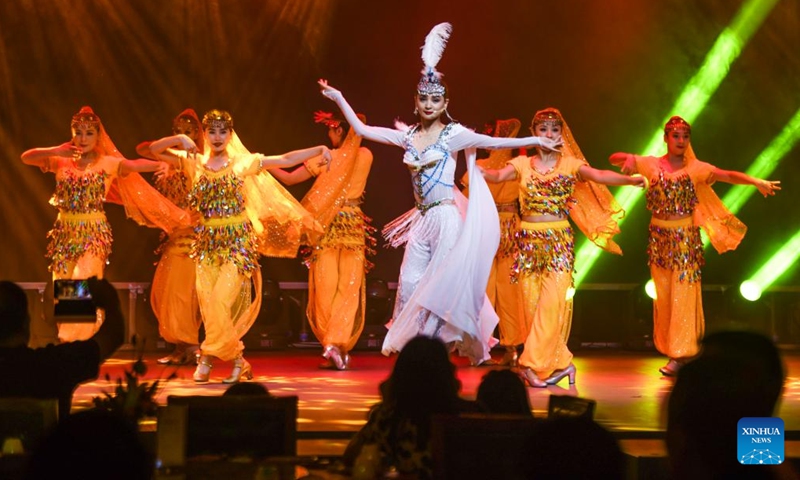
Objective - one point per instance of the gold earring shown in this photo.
(416, 112)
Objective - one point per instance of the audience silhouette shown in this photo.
(56, 370)
(737, 374)
(422, 384)
(502, 391)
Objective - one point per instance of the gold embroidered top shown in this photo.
(224, 233)
(548, 193)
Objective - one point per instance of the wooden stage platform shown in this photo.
(627, 387)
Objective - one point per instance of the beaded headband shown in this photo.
(547, 116)
(85, 118)
(327, 119)
(186, 120)
(677, 124)
(217, 119)
(430, 84)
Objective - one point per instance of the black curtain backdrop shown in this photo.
(613, 67)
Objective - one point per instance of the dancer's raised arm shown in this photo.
(469, 139)
(38, 156)
(389, 136)
(765, 187)
(296, 157)
(160, 148)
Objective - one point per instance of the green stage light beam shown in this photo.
(766, 163)
(781, 261)
(690, 103)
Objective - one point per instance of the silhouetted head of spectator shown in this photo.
(738, 374)
(755, 357)
(246, 389)
(14, 318)
(423, 381)
(92, 444)
(502, 391)
(571, 447)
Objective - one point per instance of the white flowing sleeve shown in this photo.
(376, 134)
(466, 138)
(468, 265)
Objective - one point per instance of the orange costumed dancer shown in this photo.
(504, 295)
(553, 185)
(243, 212)
(682, 201)
(172, 293)
(337, 264)
(86, 167)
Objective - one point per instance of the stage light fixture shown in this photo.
(690, 103)
(750, 290)
(650, 289)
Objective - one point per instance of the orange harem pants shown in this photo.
(337, 282)
(227, 307)
(68, 228)
(505, 296)
(678, 321)
(172, 295)
(544, 270)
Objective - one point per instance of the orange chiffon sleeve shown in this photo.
(595, 212)
(724, 230)
(144, 205)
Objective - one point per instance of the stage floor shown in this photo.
(627, 386)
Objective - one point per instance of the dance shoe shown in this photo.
(671, 368)
(510, 358)
(241, 368)
(531, 378)
(182, 355)
(490, 362)
(329, 364)
(334, 355)
(203, 370)
(564, 372)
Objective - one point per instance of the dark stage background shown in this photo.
(613, 67)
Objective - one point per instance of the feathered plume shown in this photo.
(434, 47)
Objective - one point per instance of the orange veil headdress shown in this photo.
(329, 192)
(280, 222)
(143, 204)
(724, 230)
(595, 212)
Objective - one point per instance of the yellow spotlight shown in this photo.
(750, 290)
(570, 293)
(650, 289)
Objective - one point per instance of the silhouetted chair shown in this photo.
(233, 426)
(27, 419)
(478, 445)
(569, 406)
(24, 422)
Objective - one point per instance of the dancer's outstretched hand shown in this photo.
(327, 157)
(327, 90)
(68, 150)
(768, 187)
(550, 144)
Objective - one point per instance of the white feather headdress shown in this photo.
(432, 52)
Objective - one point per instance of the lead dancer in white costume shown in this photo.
(450, 241)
